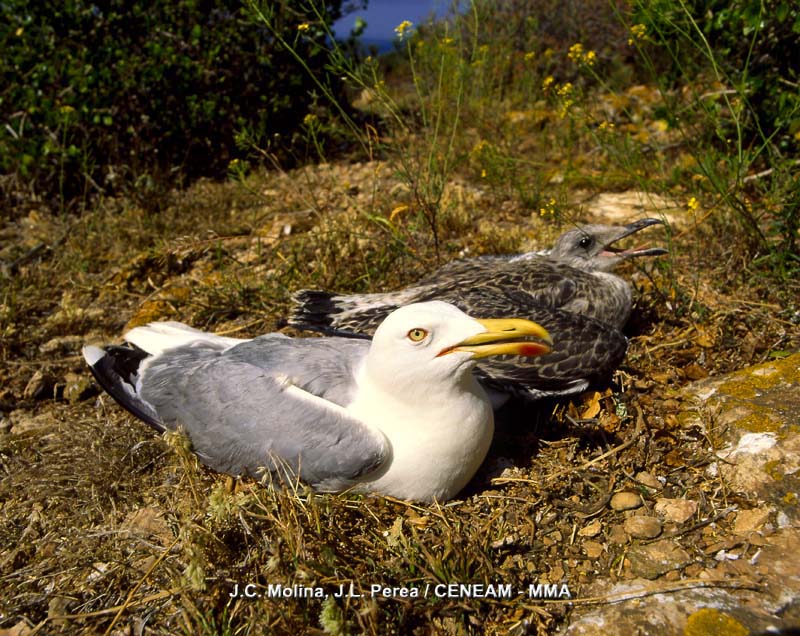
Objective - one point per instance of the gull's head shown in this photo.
(591, 247)
(434, 343)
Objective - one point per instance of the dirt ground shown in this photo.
(108, 528)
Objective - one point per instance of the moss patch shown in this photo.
(712, 622)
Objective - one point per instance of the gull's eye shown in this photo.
(417, 335)
(585, 242)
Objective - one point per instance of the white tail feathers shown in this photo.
(92, 354)
(157, 337)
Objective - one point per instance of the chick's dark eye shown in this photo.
(417, 335)
(585, 242)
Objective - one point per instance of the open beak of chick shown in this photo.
(627, 230)
(505, 336)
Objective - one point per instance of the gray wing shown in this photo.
(271, 404)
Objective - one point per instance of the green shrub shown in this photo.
(751, 46)
(99, 96)
(735, 65)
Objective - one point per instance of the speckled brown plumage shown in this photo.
(568, 289)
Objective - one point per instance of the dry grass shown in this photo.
(108, 529)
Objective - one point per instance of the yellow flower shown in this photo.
(575, 52)
(483, 173)
(692, 204)
(579, 56)
(479, 147)
(310, 120)
(401, 28)
(530, 56)
(304, 26)
(547, 82)
(638, 31)
(549, 208)
(565, 89)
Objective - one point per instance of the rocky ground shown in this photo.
(667, 504)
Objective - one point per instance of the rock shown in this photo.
(504, 542)
(655, 607)
(63, 345)
(754, 462)
(623, 207)
(642, 527)
(695, 372)
(748, 521)
(593, 549)
(758, 408)
(77, 387)
(618, 534)
(21, 628)
(39, 387)
(649, 480)
(625, 500)
(23, 422)
(675, 510)
(58, 606)
(591, 530)
(654, 559)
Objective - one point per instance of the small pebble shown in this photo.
(748, 521)
(593, 549)
(675, 510)
(641, 527)
(592, 530)
(617, 534)
(649, 480)
(77, 387)
(625, 501)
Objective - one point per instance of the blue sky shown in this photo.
(382, 16)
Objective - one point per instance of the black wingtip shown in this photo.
(313, 309)
(116, 368)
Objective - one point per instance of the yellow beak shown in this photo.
(504, 336)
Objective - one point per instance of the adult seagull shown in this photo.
(402, 415)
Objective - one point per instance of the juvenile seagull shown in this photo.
(402, 415)
(569, 289)
(574, 276)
